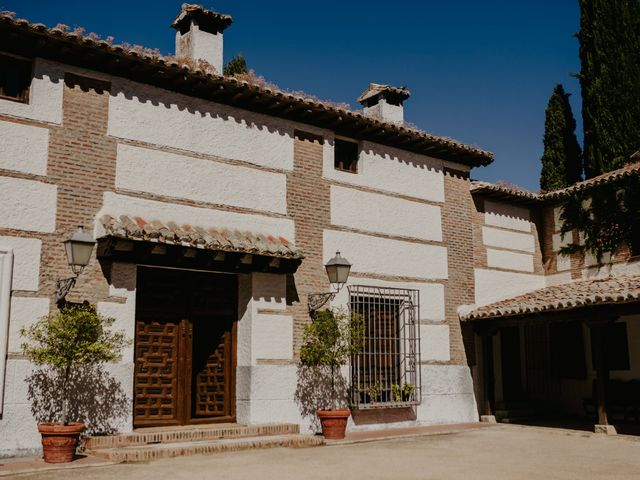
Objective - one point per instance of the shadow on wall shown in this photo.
(313, 392)
(98, 400)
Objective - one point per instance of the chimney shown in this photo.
(384, 102)
(199, 34)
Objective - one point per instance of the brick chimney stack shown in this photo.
(384, 102)
(199, 34)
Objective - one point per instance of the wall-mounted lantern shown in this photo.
(79, 248)
(337, 269)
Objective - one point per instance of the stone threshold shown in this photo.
(148, 453)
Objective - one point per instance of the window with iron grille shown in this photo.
(386, 372)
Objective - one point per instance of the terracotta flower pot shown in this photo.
(59, 441)
(334, 423)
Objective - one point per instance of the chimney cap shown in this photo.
(208, 20)
(399, 94)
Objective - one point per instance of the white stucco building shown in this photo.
(215, 204)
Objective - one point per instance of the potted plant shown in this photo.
(407, 391)
(328, 341)
(74, 336)
(396, 392)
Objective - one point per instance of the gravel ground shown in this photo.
(503, 452)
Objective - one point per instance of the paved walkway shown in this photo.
(501, 452)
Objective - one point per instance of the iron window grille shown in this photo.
(386, 372)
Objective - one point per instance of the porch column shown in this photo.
(488, 374)
(602, 371)
(598, 343)
(487, 333)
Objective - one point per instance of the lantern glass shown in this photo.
(338, 269)
(79, 248)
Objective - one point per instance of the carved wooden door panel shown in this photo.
(184, 347)
(156, 373)
(213, 379)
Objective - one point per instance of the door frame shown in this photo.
(184, 401)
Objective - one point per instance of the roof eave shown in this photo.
(30, 40)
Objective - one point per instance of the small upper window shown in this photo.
(346, 156)
(15, 78)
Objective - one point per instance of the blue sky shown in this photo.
(479, 72)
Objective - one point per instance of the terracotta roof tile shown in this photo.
(376, 88)
(566, 296)
(139, 229)
(178, 72)
(515, 193)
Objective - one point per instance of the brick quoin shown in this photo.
(308, 204)
(457, 231)
(82, 163)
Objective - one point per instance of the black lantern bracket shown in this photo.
(338, 272)
(63, 287)
(317, 300)
(78, 248)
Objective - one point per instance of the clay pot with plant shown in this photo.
(73, 337)
(329, 340)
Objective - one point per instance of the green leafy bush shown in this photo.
(75, 336)
(329, 340)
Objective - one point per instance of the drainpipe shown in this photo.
(6, 270)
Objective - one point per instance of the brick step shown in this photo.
(168, 450)
(154, 436)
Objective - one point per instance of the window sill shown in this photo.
(14, 99)
(345, 170)
(381, 405)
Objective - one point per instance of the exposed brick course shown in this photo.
(308, 203)
(82, 162)
(457, 232)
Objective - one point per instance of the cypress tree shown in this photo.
(237, 65)
(561, 160)
(610, 82)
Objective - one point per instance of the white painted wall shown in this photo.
(382, 256)
(123, 286)
(509, 260)
(492, 285)
(26, 261)
(494, 237)
(391, 170)
(384, 214)
(500, 214)
(25, 311)
(45, 95)
(434, 343)
(265, 393)
(148, 114)
(432, 305)
(6, 268)
(24, 148)
(116, 205)
(18, 431)
(173, 175)
(447, 395)
(27, 205)
(563, 262)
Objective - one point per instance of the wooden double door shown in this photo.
(185, 347)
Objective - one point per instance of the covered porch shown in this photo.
(565, 355)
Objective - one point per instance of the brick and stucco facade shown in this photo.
(100, 139)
